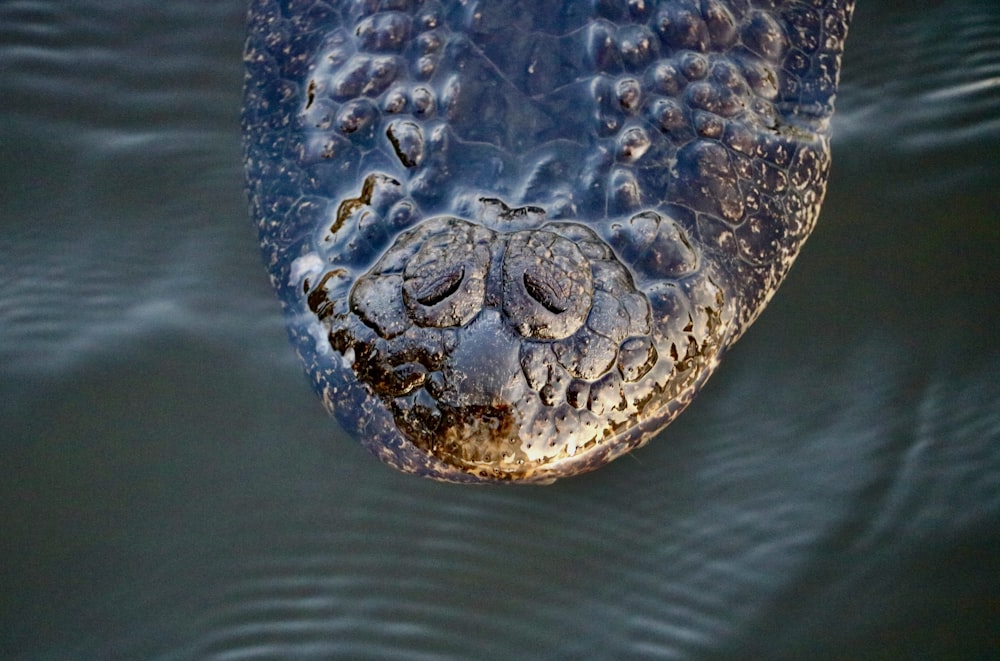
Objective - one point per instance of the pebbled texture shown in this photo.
(513, 239)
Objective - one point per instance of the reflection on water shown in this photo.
(942, 59)
(173, 488)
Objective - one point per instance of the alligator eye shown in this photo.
(548, 285)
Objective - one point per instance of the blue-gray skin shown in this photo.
(514, 238)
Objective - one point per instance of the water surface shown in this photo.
(173, 489)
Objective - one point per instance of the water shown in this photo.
(172, 488)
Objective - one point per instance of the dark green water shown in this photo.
(171, 487)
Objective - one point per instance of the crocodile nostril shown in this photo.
(548, 285)
(546, 293)
(444, 265)
(435, 289)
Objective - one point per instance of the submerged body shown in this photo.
(512, 239)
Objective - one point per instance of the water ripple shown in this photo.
(122, 118)
(664, 567)
(118, 64)
(172, 496)
(943, 91)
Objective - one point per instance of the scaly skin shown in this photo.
(513, 239)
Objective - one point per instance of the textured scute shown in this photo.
(513, 238)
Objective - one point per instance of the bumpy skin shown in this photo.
(513, 238)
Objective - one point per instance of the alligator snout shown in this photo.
(486, 341)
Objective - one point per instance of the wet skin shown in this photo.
(513, 240)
